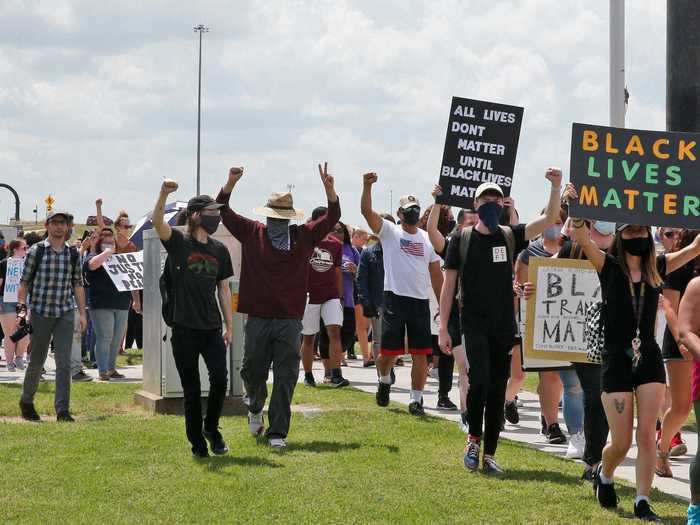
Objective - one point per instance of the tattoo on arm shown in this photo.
(619, 405)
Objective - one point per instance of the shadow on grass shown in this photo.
(218, 463)
(424, 419)
(321, 447)
(542, 475)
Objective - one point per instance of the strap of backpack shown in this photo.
(464, 238)
(40, 248)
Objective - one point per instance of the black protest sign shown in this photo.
(633, 176)
(480, 146)
(125, 270)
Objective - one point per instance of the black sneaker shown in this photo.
(383, 394)
(444, 403)
(200, 453)
(416, 409)
(309, 379)
(339, 382)
(216, 442)
(351, 355)
(81, 377)
(554, 435)
(64, 417)
(644, 512)
(511, 412)
(491, 468)
(605, 492)
(28, 411)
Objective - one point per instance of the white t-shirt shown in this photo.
(406, 260)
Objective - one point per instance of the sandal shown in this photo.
(663, 471)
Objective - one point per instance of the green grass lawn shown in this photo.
(348, 462)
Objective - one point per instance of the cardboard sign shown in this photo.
(481, 144)
(125, 270)
(636, 177)
(565, 288)
(12, 279)
(529, 363)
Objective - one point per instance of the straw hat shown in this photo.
(280, 206)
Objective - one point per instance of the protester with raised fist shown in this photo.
(482, 259)
(198, 272)
(274, 272)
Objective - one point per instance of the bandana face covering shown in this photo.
(490, 214)
(278, 233)
(411, 216)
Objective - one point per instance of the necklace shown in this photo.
(637, 308)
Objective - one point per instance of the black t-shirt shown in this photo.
(195, 285)
(678, 281)
(487, 281)
(102, 294)
(619, 320)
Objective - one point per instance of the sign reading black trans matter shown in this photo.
(481, 144)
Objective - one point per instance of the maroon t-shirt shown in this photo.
(323, 271)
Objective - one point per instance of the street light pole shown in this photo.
(617, 63)
(199, 29)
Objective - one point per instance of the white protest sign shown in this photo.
(125, 270)
(12, 279)
(565, 288)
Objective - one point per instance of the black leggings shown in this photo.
(595, 424)
(489, 368)
(446, 367)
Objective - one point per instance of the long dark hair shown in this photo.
(346, 234)
(649, 271)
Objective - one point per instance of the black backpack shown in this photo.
(167, 282)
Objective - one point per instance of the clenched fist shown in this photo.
(369, 178)
(169, 186)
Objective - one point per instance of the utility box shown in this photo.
(162, 390)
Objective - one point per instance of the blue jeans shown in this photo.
(110, 327)
(573, 401)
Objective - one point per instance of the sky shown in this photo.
(99, 99)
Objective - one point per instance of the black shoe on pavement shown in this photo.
(339, 382)
(382, 396)
(554, 435)
(511, 411)
(216, 442)
(28, 411)
(368, 364)
(309, 379)
(604, 492)
(644, 512)
(64, 417)
(351, 355)
(81, 377)
(444, 403)
(416, 409)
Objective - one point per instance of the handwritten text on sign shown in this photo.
(12, 278)
(126, 271)
(565, 288)
(480, 146)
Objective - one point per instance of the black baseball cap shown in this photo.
(202, 202)
(64, 214)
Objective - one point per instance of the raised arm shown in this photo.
(583, 237)
(322, 226)
(163, 228)
(374, 220)
(436, 238)
(99, 218)
(537, 226)
(678, 259)
(688, 320)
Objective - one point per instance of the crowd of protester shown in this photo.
(447, 292)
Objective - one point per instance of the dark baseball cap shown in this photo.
(202, 202)
(64, 214)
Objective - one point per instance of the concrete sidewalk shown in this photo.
(527, 431)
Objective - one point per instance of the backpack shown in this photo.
(172, 273)
(464, 241)
(594, 333)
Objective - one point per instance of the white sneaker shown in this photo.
(20, 363)
(577, 443)
(278, 443)
(256, 424)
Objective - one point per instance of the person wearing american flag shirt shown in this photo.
(411, 266)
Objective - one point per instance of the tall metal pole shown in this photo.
(617, 63)
(199, 29)
(682, 73)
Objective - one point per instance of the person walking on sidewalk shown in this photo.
(197, 271)
(274, 272)
(52, 277)
(410, 267)
(482, 258)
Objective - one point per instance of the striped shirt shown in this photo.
(51, 284)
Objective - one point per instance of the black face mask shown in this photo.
(210, 223)
(637, 246)
(411, 215)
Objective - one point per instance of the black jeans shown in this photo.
(188, 344)
(489, 369)
(134, 330)
(595, 424)
(446, 367)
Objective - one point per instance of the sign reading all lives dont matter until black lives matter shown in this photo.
(480, 146)
(125, 270)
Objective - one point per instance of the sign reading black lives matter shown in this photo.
(481, 144)
(556, 314)
(125, 270)
(636, 177)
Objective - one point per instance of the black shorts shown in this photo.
(618, 374)
(405, 316)
(670, 351)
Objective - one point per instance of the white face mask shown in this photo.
(106, 246)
